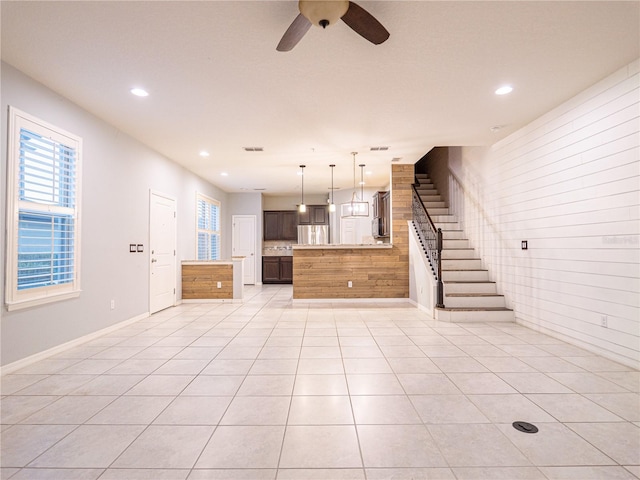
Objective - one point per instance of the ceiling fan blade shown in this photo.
(365, 24)
(294, 33)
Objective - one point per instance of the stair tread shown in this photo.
(467, 281)
(465, 270)
(473, 295)
(473, 309)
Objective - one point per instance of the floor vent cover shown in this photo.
(525, 427)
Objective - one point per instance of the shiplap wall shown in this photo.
(568, 183)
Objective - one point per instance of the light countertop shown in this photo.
(211, 262)
(374, 246)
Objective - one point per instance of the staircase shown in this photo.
(469, 295)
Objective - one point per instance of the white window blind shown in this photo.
(43, 224)
(207, 228)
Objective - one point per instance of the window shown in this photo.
(43, 221)
(207, 228)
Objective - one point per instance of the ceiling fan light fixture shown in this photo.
(323, 13)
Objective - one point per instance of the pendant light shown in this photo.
(302, 207)
(357, 207)
(332, 206)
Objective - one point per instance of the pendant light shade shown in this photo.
(332, 206)
(357, 207)
(302, 207)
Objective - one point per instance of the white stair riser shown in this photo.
(453, 235)
(474, 287)
(437, 204)
(449, 243)
(443, 217)
(447, 225)
(458, 253)
(475, 316)
(430, 197)
(496, 301)
(465, 275)
(461, 264)
(435, 212)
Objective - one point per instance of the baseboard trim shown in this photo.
(213, 300)
(36, 357)
(627, 361)
(350, 300)
(422, 308)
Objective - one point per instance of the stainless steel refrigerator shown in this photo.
(313, 234)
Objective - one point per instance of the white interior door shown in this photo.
(348, 231)
(244, 244)
(162, 251)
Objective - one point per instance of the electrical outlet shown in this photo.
(349, 284)
(219, 284)
(604, 321)
(113, 304)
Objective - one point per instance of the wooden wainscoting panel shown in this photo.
(200, 281)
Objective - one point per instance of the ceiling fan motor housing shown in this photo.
(323, 13)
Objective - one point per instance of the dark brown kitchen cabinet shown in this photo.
(280, 225)
(315, 215)
(386, 214)
(277, 269)
(381, 214)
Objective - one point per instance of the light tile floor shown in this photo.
(271, 389)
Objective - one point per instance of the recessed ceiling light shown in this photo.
(224, 174)
(139, 92)
(204, 153)
(504, 90)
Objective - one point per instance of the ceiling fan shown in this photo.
(327, 12)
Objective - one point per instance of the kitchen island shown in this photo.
(213, 280)
(349, 271)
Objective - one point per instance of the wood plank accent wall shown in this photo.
(199, 281)
(383, 273)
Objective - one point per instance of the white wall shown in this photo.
(118, 172)
(569, 183)
(245, 204)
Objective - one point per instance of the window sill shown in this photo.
(34, 302)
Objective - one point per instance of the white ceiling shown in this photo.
(217, 83)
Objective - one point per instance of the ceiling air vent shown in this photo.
(253, 149)
(379, 149)
(396, 159)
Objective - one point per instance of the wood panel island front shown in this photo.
(375, 271)
(212, 280)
